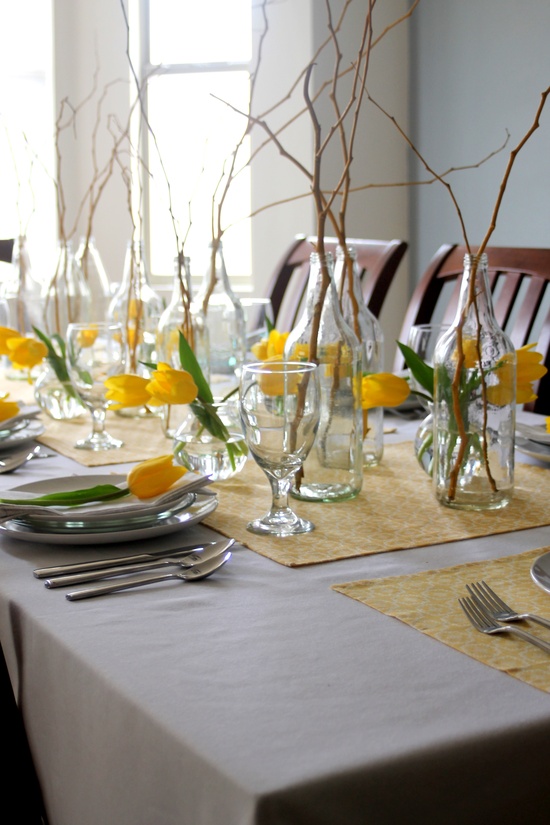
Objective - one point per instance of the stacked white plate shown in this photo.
(533, 440)
(20, 430)
(124, 519)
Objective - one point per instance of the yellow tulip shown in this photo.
(25, 353)
(268, 347)
(273, 383)
(128, 391)
(529, 368)
(154, 476)
(8, 408)
(5, 334)
(383, 389)
(259, 350)
(171, 386)
(86, 337)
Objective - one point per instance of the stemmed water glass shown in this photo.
(94, 353)
(279, 405)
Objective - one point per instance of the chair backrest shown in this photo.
(519, 278)
(379, 261)
(6, 249)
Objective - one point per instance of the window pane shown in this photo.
(196, 134)
(205, 32)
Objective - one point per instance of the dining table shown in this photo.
(329, 679)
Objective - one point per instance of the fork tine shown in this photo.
(480, 596)
(501, 605)
(476, 614)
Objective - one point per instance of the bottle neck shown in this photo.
(475, 303)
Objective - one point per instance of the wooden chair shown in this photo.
(6, 249)
(379, 261)
(519, 278)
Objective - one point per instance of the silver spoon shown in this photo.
(12, 462)
(189, 560)
(195, 573)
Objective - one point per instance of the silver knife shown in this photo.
(82, 567)
(202, 554)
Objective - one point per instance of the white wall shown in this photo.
(478, 68)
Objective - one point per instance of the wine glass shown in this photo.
(94, 353)
(423, 339)
(279, 404)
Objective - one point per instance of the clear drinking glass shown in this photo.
(279, 404)
(94, 353)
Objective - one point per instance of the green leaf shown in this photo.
(57, 361)
(421, 371)
(190, 363)
(72, 498)
(268, 325)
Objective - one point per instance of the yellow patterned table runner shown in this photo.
(143, 438)
(396, 509)
(428, 601)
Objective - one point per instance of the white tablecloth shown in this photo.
(263, 697)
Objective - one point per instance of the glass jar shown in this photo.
(224, 317)
(333, 470)
(199, 451)
(474, 401)
(367, 328)
(137, 307)
(66, 297)
(89, 260)
(57, 398)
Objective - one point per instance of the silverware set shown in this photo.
(488, 613)
(195, 562)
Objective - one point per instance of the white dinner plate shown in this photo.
(203, 505)
(533, 448)
(540, 571)
(21, 437)
(534, 432)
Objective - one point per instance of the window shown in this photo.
(190, 66)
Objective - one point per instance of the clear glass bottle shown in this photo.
(474, 401)
(333, 470)
(137, 307)
(67, 298)
(21, 291)
(224, 315)
(175, 318)
(88, 258)
(367, 328)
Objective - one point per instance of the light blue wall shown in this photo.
(478, 67)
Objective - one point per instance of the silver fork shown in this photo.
(497, 608)
(485, 624)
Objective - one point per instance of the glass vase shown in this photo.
(66, 297)
(474, 401)
(224, 318)
(199, 451)
(176, 318)
(137, 307)
(57, 398)
(89, 260)
(21, 290)
(367, 328)
(333, 470)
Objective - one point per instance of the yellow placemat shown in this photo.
(396, 509)
(143, 438)
(428, 601)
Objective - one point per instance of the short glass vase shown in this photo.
(199, 451)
